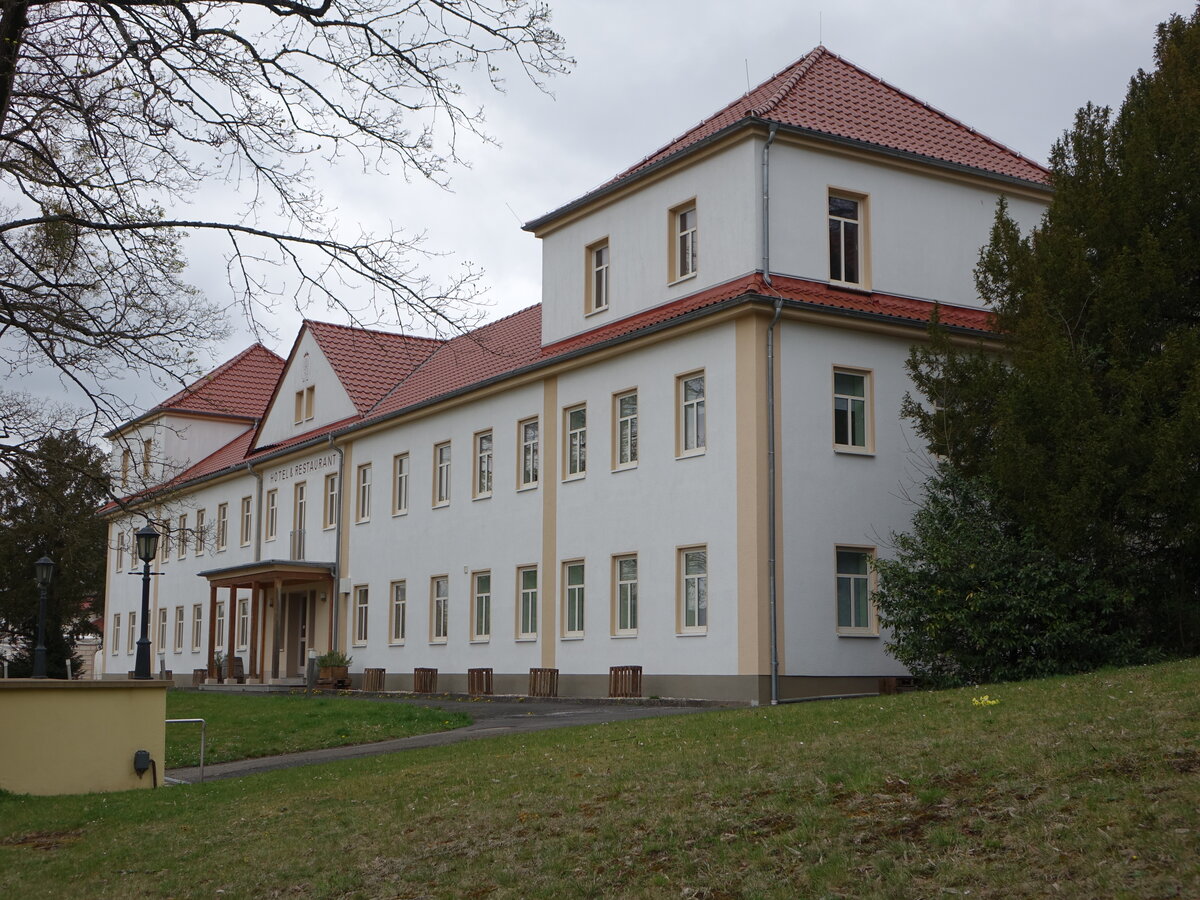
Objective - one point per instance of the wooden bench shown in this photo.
(543, 682)
(373, 679)
(424, 681)
(625, 681)
(479, 681)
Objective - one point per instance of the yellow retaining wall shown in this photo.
(75, 737)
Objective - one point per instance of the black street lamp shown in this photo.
(44, 568)
(147, 549)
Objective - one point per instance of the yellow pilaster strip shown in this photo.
(548, 589)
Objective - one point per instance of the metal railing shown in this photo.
(203, 729)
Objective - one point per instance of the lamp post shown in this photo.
(147, 549)
(44, 568)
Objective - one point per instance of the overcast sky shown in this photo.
(648, 70)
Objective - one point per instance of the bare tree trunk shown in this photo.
(14, 16)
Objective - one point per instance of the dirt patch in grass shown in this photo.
(42, 840)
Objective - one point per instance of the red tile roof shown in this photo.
(240, 387)
(369, 363)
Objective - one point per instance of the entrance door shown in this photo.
(296, 633)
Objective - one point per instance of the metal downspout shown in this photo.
(336, 599)
(772, 600)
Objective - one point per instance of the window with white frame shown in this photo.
(851, 410)
(222, 525)
(179, 629)
(439, 609)
(147, 456)
(119, 550)
(162, 630)
(181, 537)
(574, 594)
(625, 599)
(441, 474)
(243, 623)
(115, 647)
(575, 446)
(399, 618)
(693, 420)
(305, 404)
(855, 608)
(685, 247)
(219, 629)
(164, 544)
(247, 531)
(361, 606)
(363, 493)
(329, 504)
(845, 239)
(299, 518)
(596, 295)
(126, 464)
(272, 524)
(399, 484)
(200, 536)
(133, 633)
(483, 464)
(197, 626)
(625, 430)
(481, 606)
(527, 431)
(527, 602)
(693, 590)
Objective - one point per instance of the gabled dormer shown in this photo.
(870, 189)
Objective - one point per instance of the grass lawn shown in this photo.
(244, 726)
(1069, 787)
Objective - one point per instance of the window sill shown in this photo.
(486, 640)
(595, 312)
(847, 633)
(528, 487)
(856, 287)
(481, 497)
(571, 637)
(358, 644)
(688, 634)
(360, 522)
(579, 477)
(441, 505)
(687, 277)
(438, 642)
(849, 450)
(396, 513)
(526, 639)
(624, 636)
(692, 454)
(628, 467)
(395, 643)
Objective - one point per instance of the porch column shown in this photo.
(231, 622)
(332, 598)
(252, 637)
(278, 629)
(212, 629)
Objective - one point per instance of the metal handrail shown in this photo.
(203, 730)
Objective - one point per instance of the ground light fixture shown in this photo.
(44, 569)
(147, 549)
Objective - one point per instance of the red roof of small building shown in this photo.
(369, 363)
(241, 387)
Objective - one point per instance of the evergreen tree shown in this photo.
(48, 504)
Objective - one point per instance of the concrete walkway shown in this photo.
(491, 718)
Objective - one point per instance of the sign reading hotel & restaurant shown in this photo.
(301, 468)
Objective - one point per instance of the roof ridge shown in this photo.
(373, 331)
(802, 67)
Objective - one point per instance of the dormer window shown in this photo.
(305, 403)
(597, 286)
(846, 238)
(684, 241)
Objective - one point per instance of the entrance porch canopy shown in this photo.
(256, 577)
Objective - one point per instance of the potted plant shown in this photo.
(219, 662)
(333, 669)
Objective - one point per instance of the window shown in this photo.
(851, 407)
(575, 447)
(625, 431)
(116, 634)
(119, 536)
(243, 623)
(399, 484)
(272, 514)
(147, 452)
(596, 294)
(692, 423)
(329, 509)
(625, 581)
(305, 404)
(439, 609)
(684, 241)
(219, 639)
(573, 597)
(164, 545)
(247, 529)
(299, 516)
(222, 525)
(126, 464)
(693, 577)
(181, 537)
(362, 512)
(441, 474)
(200, 513)
(855, 611)
(133, 633)
(197, 626)
(483, 464)
(527, 587)
(179, 629)
(360, 614)
(845, 244)
(527, 431)
(399, 624)
(481, 606)
(162, 630)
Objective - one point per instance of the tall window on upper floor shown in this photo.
(329, 507)
(272, 528)
(147, 455)
(181, 536)
(575, 446)
(441, 474)
(247, 530)
(625, 430)
(527, 431)
(483, 464)
(852, 410)
(846, 233)
(200, 531)
(399, 484)
(363, 494)
(596, 299)
(692, 424)
(126, 465)
(685, 245)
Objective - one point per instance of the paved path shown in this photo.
(492, 718)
